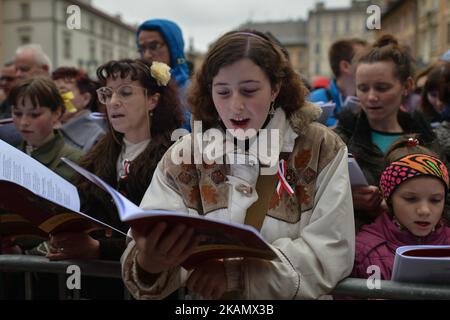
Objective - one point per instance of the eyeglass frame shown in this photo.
(115, 91)
(156, 46)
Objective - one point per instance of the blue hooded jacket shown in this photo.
(171, 33)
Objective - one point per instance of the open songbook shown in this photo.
(35, 201)
(219, 239)
(38, 201)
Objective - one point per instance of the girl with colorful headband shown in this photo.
(414, 185)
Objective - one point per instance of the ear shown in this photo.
(275, 92)
(46, 68)
(56, 115)
(345, 67)
(86, 98)
(408, 86)
(153, 101)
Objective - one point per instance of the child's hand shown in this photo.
(208, 280)
(72, 245)
(367, 199)
(158, 252)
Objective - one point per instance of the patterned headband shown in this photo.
(409, 167)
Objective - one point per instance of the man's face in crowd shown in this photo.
(27, 66)
(7, 78)
(152, 47)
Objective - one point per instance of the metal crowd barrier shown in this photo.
(357, 288)
(39, 264)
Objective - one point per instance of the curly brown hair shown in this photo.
(232, 47)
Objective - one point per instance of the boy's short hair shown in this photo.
(40, 90)
(343, 50)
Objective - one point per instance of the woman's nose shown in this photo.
(372, 96)
(115, 100)
(237, 105)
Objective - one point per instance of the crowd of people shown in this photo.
(394, 120)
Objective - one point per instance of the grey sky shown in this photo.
(205, 20)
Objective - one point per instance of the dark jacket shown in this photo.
(376, 244)
(5, 110)
(82, 132)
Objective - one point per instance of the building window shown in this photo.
(335, 25)
(300, 57)
(318, 29)
(104, 54)
(433, 42)
(317, 48)
(103, 30)
(347, 24)
(25, 39)
(435, 5)
(448, 33)
(92, 50)
(25, 11)
(67, 47)
(317, 68)
(92, 25)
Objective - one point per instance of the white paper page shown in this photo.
(126, 209)
(357, 177)
(16, 166)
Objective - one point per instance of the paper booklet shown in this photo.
(35, 201)
(6, 121)
(422, 264)
(219, 239)
(357, 177)
(327, 110)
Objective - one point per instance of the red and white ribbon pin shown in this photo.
(126, 168)
(283, 184)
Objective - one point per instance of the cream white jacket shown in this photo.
(312, 232)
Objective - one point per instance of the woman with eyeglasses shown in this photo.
(162, 40)
(142, 111)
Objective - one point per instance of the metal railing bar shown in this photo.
(392, 290)
(111, 269)
(95, 268)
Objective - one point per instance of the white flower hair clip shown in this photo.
(160, 72)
